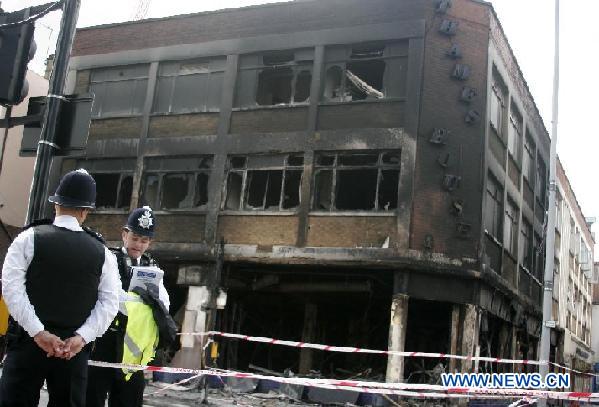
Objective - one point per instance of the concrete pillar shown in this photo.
(190, 354)
(469, 334)
(308, 335)
(397, 337)
(453, 338)
(515, 350)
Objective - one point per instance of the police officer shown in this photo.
(60, 284)
(123, 388)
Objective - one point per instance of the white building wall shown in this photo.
(572, 277)
(17, 172)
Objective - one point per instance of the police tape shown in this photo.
(350, 349)
(410, 390)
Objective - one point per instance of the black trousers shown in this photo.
(26, 367)
(121, 393)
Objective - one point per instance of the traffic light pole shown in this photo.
(46, 146)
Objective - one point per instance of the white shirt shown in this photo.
(162, 293)
(16, 263)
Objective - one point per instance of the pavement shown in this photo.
(159, 394)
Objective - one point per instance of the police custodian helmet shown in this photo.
(77, 189)
(141, 221)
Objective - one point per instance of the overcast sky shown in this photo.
(529, 28)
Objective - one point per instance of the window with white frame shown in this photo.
(119, 91)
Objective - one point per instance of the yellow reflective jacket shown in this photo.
(141, 335)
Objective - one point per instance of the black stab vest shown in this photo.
(63, 277)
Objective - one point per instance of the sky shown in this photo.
(528, 25)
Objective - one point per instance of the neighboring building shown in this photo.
(572, 289)
(377, 171)
(16, 172)
(595, 323)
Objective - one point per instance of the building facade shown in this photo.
(351, 173)
(16, 171)
(572, 284)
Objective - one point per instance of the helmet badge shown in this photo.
(145, 220)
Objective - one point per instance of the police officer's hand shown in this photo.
(73, 346)
(50, 343)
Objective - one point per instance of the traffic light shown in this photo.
(17, 48)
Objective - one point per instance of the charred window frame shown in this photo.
(367, 71)
(356, 181)
(119, 91)
(528, 160)
(498, 103)
(541, 182)
(494, 208)
(275, 78)
(510, 228)
(514, 135)
(189, 86)
(263, 182)
(526, 252)
(176, 183)
(539, 256)
(114, 181)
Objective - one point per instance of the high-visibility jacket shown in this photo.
(141, 335)
(3, 317)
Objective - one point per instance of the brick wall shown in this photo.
(258, 230)
(361, 115)
(127, 127)
(195, 124)
(243, 22)
(269, 120)
(350, 231)
(441, 108)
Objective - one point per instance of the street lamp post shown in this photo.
(550, 240)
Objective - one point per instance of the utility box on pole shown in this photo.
(72, 128)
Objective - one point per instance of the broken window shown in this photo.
(176, 183)
(365, 71)
(264, 182)
(494, 208)
(114, 181)
(541, 182)
(526, 256)
(510, 227)
(275, 78)
(354, 181)
(189, 86)
(119, 91)
(498, 96)
(514, 135)
(528, 160)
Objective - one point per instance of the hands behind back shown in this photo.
(56, 347)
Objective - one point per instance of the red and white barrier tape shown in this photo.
(414, 390)
(350, 349)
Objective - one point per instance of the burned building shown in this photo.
(350, 173)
